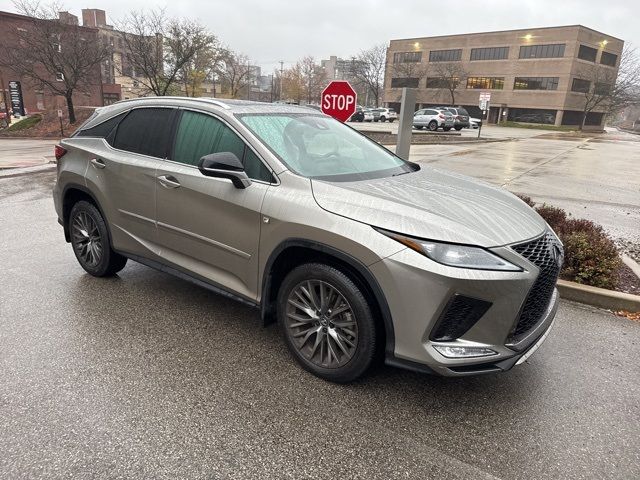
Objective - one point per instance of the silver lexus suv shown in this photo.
(357, 254)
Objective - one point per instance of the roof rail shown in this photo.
(215, 102)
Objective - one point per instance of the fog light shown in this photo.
(464, 352)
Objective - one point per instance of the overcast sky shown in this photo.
(272, 30)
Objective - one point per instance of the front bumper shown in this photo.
(418, 290)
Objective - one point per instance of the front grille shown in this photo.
(545, 253)
(460, 314)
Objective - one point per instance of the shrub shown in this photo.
(590, 256)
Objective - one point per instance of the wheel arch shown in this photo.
(72, 194)
(293, 252)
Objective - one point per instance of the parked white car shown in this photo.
(474, 122)
(368, 115)
(384, 114)
(433, 119)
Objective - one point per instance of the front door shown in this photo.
(206, 225)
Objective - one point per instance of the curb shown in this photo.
(598, 297)
(18, 172)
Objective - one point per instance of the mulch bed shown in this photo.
(628, 282)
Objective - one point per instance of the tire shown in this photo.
(433, 125)
(446, 129)
(391, 120)
(91, 243)
(419, 127)
(354, 326)
(458, 128)
(383, 119)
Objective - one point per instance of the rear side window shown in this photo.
(200, 134)
(102, 130)
(146, 131)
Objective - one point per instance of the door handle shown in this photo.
(98, 163)
(168, 181)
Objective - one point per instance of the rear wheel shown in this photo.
(433, 125)
(391, 120)
(326, 322)
(383, 118)
(446, 129)
(458, 127)
(419, 127)
(90, 241)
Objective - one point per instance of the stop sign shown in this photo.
(339, 100)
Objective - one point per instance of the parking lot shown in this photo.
(146, 375)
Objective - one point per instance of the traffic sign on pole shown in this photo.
(339, 100)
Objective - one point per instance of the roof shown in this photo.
(507, 31)
(229, 105)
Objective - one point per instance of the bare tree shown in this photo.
(158, 49)
(204, 66)
(60, 56)
(293, 83)
(368, 68)
(234, 72)
(314, 78)
(605, 89)
(447, 76)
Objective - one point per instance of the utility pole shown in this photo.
(281, 73)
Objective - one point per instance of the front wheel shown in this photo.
(391, 120)
(383, 119)
(433, 125)
(90, 241)
(446, 129)
(458, 128)
(327, 323)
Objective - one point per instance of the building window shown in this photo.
(536, 83)
(608, 59)
(587, 53)
(408, 82)
(439, 82)
(532, 115)
(59, 77)
(491, 53)
(445, 55)
(602, 89)
(580, 86)
(407, 57)
(486, 83)
(542, 51)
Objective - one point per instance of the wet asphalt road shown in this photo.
(148, 376)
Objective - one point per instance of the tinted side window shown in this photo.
(102, 130)
(146, 131)
(200, 134)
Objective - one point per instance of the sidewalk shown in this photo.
(15, 153)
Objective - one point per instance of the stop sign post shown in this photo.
(338, 100)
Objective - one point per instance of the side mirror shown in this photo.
(224, 165)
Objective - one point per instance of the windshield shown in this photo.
(319, 147)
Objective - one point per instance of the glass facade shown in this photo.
(542, 51)
(535, 83)
(445, 55)
(401, 82)
(581, 86)
(407, 57)
(587, 53)
(491, 53)
(437, 82)
(486, 83)
(532, 115)
(609, 59)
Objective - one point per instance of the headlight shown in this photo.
(461, 256)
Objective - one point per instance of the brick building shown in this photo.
(536, 75)
(38, 97)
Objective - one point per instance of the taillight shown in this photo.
(59, 152)
(458, 117)
(441, 116)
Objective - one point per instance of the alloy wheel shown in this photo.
(321, 324)
(86, 239)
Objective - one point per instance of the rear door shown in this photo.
(124, 174)
(206, 225)
(418, 118)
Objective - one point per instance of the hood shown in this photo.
(434, 204)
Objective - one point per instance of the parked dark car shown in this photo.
(358, 116)
(460, 116)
